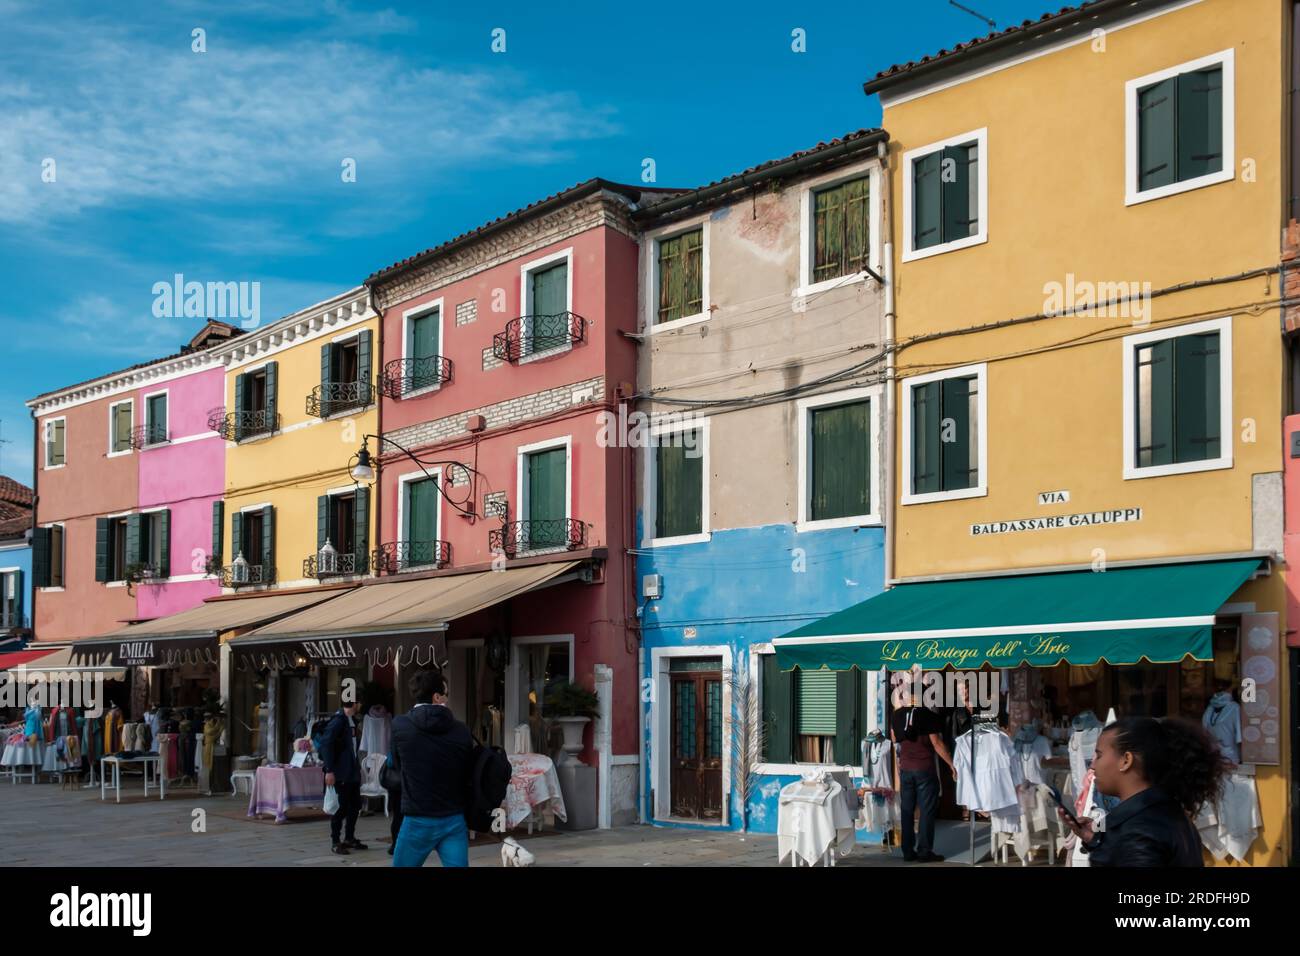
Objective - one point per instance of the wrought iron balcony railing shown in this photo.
(245, 575)
(334, 564)
(237, 426)
(142, 436)
(536, 334)
(394, 557)
(404, 376)
(332, 398)
(549, 534)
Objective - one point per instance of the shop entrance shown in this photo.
(695, 784)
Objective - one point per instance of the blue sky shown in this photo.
(226, 165)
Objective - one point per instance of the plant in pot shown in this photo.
(571, 706)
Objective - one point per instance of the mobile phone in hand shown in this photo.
(1060, 802)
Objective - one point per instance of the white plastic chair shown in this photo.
(370, 785)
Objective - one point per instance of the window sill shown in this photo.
(840, 282)
(427, 390)
(1134, 198)
(52, 590)
(114, 584)
(54, 467)
(683, 322)
(978, 239)
(538, 356)
(118, 454)
(678, 539)
(980, 491)
(1179, 468)
(826, 524)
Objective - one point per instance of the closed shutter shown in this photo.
(133, 555)
(271, 386)
(361, 529)
(1155, 411)
(156, 413)
(960, 193)
(121, 427)
(218, 528)
(848, 717)
(365, 348)
(267, 557)
(957, 453)
(679, 488)
(681, 276)
(322, 521)
(237, 537)
(41, 557)
(164, 543)
(326, 372)
(926, 200)
(546, 485)
(816, 702)
(423, 342)
(926, 435)
(550, 298)
(828, 234)
(1196, 396)
(18, 598)
(1200, 123)
(778, 711)
(1155, 118)
(101, 549)
(57, 542)
(421, 519)
(241, 399)
(840, 462)
(54, 446)
(60, 438)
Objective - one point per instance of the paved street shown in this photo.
(43, 825)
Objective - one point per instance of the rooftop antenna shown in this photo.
(974, 13)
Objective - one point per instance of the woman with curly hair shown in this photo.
(1162, 771)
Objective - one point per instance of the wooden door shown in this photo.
(696, 784)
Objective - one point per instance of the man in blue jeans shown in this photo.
(433, 751)
(918, 734)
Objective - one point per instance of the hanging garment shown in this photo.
(113, 732)
(92, 740)
(212, 728)
(1083, 744)
(1222, 718)
(32, 723)
(997, 773)
(377, 730)
(1031, 748)
(1230, 824)
(72, 751)
(153, 720)
(879, 810)
(169, 755)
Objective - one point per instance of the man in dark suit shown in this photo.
(343, 773)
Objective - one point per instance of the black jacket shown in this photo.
(339, 752)
(433, 751)
(1147, 829)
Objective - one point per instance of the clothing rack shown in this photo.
(976, 722)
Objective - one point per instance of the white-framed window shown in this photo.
(56, 442)
(945, 435)
(839, 435)
(544, 492)
(419, 520)
(1179, 128)
(422, 347)
(155, 418)
(946, 195)
(677, 482)
(121, 419)
(546, 300)
(677, 275)
(1178, 399)
(839, 228)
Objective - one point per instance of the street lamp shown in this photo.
(362, 468)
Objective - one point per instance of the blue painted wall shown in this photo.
(20, 557)
(747, 586)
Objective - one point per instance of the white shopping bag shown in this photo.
(331, 805)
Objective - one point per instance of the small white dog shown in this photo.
(513, 854)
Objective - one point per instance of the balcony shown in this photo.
(243, 575)
(537, 335)
(145, 436)
(516, 538)
(402, 377)
(329, 563)
(333, 398)
(395, 557)
(238, 426)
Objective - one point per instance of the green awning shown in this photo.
(1158, 612)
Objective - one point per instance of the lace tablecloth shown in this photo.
(534, 786)
(281, 788)
(22, 755)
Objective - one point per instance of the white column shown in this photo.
(602, 741)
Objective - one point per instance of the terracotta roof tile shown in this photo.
(14, 492)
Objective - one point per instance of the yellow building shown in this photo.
(1086, 230)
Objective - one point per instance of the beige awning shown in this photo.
(384, 618)
(61, 661)
(213, 617)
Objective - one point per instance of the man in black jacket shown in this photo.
(343, 773)
(433, 751)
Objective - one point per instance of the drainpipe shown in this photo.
(379, 445)
(36, 500)
(887, 205)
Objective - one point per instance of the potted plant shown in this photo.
(571, 706)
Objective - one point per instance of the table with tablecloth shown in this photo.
(813, 819)
(534, 788)
(19, 753)
(279, 788)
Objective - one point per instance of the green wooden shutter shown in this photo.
(237, 536)
(926, 191)
(959, 458)
(241, 397)
(840, 461)
(42, 557)
(421, 518)
(1196, 397)
(857, 225)
(60, 442)
(828, 233)
(54, 451)
(1200, 123)
(101, 549)
(326, 371)
(365, 348)
(848, 726)
(272, 402)
(778, 712)
(550, 298)
(218, 527)
(547, 495)
(960, 192)
(165, 543)
(156, 419)
(681, 276)
(670, 265)
(267, 557)
(361, 529)
(121, 427)
(692, 295)
(132, 542)
(679, 489)
(423, 336)
(926, 435)
(816, 702)
(1156, 116)
(18, 598)
(322, 520)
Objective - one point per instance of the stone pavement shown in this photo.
(44, 825)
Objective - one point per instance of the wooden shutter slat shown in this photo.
(778, 711)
